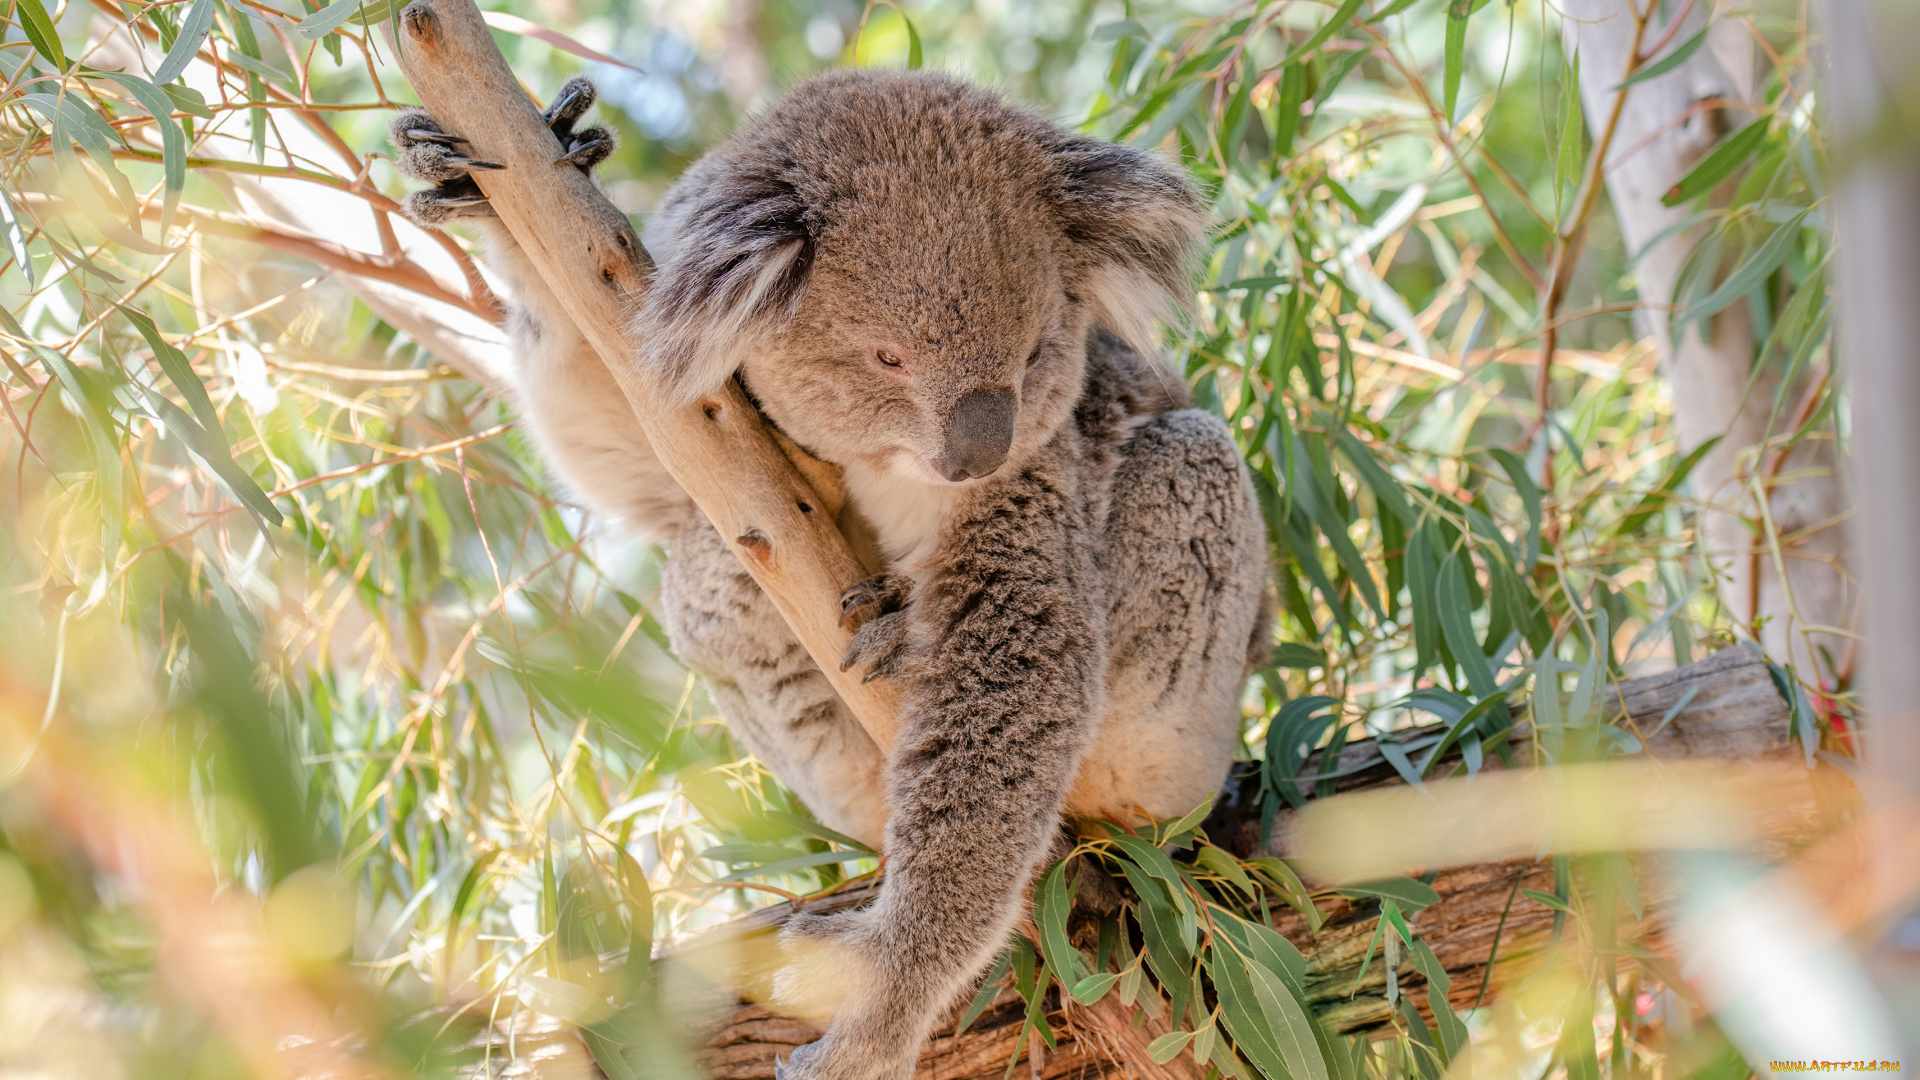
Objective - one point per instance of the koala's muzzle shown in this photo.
(979, 434)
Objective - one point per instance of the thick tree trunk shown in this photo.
(1667, 125)
(1730, 709)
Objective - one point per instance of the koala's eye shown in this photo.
(1035, 358)
(888, 357)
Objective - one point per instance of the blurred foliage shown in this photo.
(306, 660)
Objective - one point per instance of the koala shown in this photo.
(951, 299)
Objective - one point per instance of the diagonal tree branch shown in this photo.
(719, 451)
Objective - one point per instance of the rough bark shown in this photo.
(719, 451)
(1667, 125)
(1482, 921)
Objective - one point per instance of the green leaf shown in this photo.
(1051, 906)
(914, 58)
(1572, 128)
(1385, 487)
(179, 372)
(1749, 275)
(1455, 54)
(471, 883)
(1516, 470)
(1291, 654)
(1121, 28)
(188, 100)
(633, 880)
(173, 141)
(1721, 163)
(328, 19)
(1392, 9)
(1459, 728)
(1176, 111)
(1167, 832)
(1578, 1048)
(193, 31)
(1094, 987)
(1548, 899)
(39, 28)
(1454, 611)
(1335, 22)
(1668, 62)
(1267, 1021)
(1423, 592)
(1218, 862)
(1319, 506)
(1292, 889)
(1406, 892)
(1154, 863)
(1168, 1046)
(1656, 500)
(103, 447)
(1453, 1030)
(17, 243)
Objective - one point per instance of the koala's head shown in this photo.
(904, 270)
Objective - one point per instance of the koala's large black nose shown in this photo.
(979, 434)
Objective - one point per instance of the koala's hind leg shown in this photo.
(774, 698)
(1188, 584)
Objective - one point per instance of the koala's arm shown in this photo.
(1002, 683)
(565, 395)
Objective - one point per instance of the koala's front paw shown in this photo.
(881, 594)
(430, 153)
(588, 146)
(876, 610)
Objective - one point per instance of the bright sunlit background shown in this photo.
(332, 735)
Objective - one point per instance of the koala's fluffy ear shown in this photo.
(734, 255)
(1140, 222)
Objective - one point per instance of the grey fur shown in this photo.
(885, 259)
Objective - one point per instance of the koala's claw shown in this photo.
(584, 148)
(590, 148)
(426, 152)
(799, 1064)
(866, 600)
(434, 135)
(880, 646)
(576, 96)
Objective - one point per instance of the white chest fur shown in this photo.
(907, 513)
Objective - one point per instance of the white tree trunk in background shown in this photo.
(1663, 132)
(1869, 76)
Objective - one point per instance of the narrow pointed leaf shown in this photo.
(193, 31)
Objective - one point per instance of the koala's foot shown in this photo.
(876, 611)
(836, 954)
(429, 153)
(588, 146)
